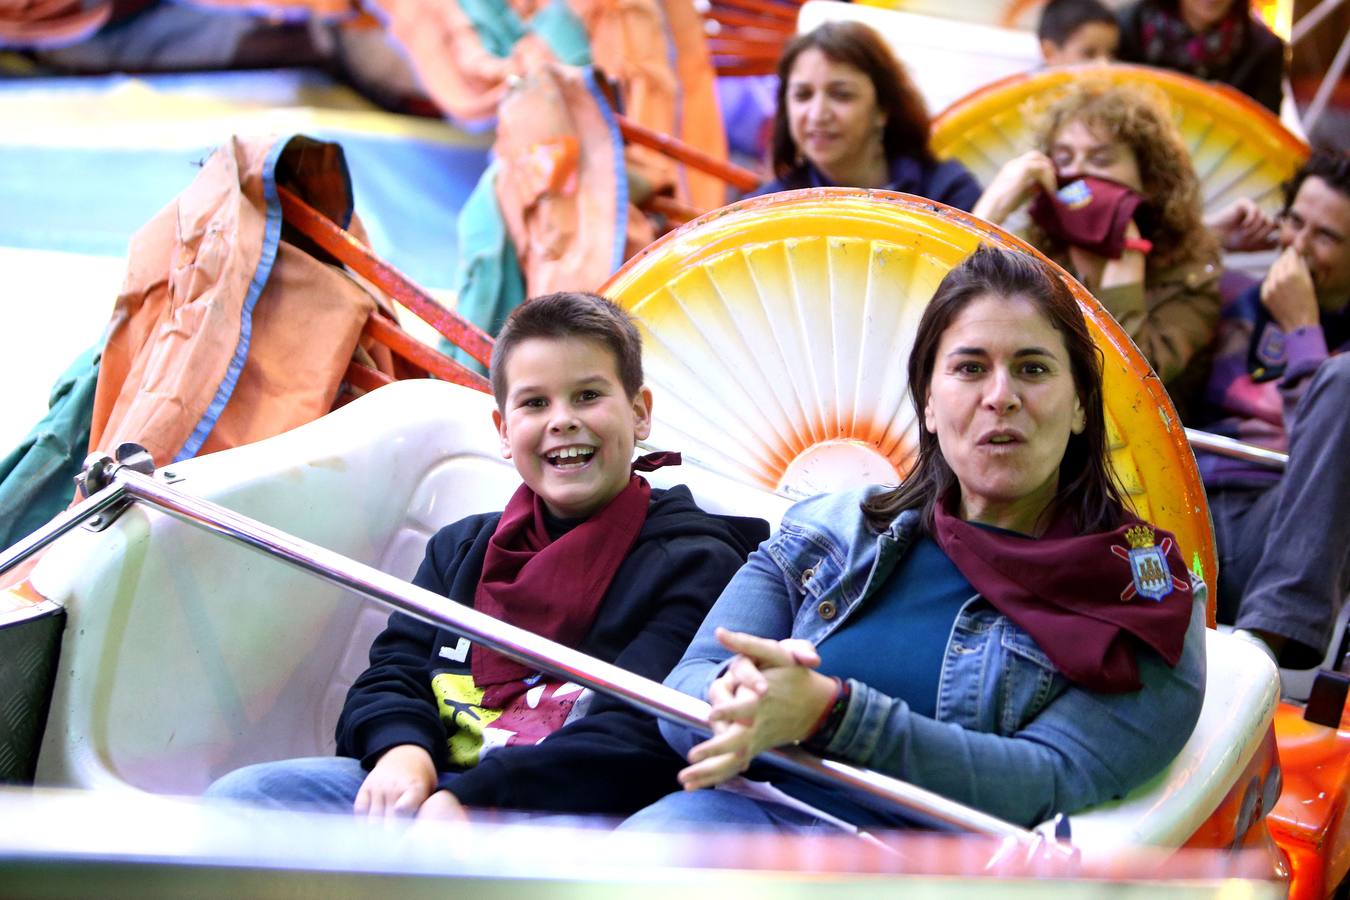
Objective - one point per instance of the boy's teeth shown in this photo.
(572, 453)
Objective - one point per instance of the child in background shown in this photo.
(1077, 31)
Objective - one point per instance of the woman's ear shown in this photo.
(929, 417)
(1079, 416)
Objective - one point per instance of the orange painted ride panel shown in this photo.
(776, 332)
(1309, 821)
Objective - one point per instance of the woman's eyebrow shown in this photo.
(980, 351)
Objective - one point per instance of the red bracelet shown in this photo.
(1143, 245)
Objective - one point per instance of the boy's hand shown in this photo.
(442, 806)
(399, 784)
(768, 696)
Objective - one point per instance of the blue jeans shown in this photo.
(314, 783)
(329, 784)
(714, 810)
(1285, 550)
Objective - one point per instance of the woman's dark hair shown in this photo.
(1329, 164)
(1087, 484)
(853, 43)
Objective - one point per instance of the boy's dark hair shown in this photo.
(567, 314)
(1061, 18)
(1326, 163)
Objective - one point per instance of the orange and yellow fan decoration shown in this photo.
(776, 333)
(1239, 149)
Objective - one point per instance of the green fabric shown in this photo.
(488, 281)
(37, 477)
(499, 28)
(497, 24)
(563, 32)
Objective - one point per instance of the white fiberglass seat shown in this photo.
(186, 655)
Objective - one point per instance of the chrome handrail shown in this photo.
(1226, 446)
(124, 483)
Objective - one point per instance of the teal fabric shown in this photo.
(563, 32)
(497, 24)
(489, 282)
(499, 28)
(37, 477)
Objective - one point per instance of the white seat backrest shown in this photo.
(187, 656)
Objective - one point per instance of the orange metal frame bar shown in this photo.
(359, 258)
(734, 18)
(419, 354)
(768, 51)
(672, 209)
(734, 175)
(784, 11)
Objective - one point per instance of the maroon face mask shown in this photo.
(1087, 212)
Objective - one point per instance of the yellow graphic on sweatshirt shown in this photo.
(467, 722)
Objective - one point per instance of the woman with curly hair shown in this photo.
(849, 115)
(1113, 198)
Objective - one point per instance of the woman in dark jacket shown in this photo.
(848, 115)
(1217, 40)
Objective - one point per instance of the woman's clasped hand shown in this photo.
(769, 695)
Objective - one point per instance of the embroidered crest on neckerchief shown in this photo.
(1148, 566)
(1075, 195)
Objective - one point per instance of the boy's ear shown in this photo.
(642, 414)
(1049, 52)
(499, 422)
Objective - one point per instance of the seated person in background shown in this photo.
(964, 631)
(1114, 199)
(848, 115)
(1077, 31)
(1281, 379)
(586, 553)
(1217, 40)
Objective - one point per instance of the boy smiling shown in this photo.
(586, 553)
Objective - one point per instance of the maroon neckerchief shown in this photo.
(1088, 212)
(1083, 598)
(553, 587)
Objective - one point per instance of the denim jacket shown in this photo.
(1012, 736)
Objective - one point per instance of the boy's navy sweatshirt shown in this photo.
(613, 759)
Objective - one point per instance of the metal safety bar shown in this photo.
(1226, 446)
(880, 791)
